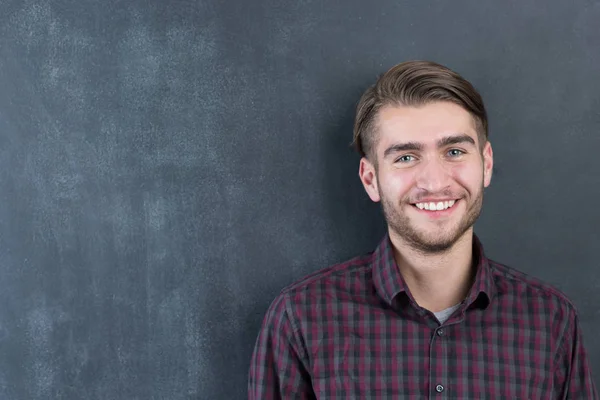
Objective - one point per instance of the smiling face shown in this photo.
(429, 172)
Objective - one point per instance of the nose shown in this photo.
(433, 176)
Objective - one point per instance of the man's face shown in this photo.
(429, 173)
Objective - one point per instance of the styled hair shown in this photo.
(414, 84)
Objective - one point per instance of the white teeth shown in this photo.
(442, 205)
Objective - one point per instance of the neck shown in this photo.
(436, 280)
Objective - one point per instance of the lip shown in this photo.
(437, 213)
(435, 200)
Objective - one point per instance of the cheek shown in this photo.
(397, 183)
(469, 176)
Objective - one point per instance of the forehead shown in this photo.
(424, 124)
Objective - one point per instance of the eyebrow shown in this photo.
(455, 139)
(395, 148)
(416, 146)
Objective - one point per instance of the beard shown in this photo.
(443, 237)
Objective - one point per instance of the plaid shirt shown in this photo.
(353, 331)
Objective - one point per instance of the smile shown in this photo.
(436, 206)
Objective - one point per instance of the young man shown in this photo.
(426, 315)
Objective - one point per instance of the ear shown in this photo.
(488, 164)
(368, 177)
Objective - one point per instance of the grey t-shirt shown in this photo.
(443, 315)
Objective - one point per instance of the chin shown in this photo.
(431, 246)
(430, 242)
(438, 246)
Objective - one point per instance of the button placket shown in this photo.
(439, 362)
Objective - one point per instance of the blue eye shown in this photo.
(455, 153)
(405, 158)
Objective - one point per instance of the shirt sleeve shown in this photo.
(572, 374)
(278, 369)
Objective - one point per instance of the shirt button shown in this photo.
(440, 332)
(439, 388)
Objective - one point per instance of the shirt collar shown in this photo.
(389, 282)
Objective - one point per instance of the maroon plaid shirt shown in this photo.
(353, 331)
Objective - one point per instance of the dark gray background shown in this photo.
(166, 167)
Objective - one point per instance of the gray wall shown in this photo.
(166, 167)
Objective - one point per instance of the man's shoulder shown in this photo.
(514, 282)
(335, 277)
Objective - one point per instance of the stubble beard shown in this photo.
(425, 242)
